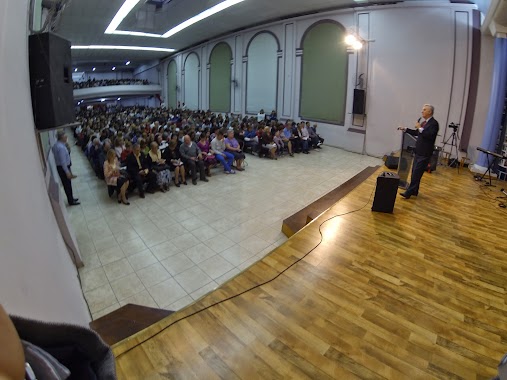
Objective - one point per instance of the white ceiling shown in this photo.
(83, 22)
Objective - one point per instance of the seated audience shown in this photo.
(304, 136)
(261, 116)
(173, 156)
(287, 138)
(125, 152)
(139, 171)
(224, 157)
(158, 165)
(209, 157)
(114, 178)
(278, 142)
(192, 157)
(250, 138)
(118, 147)
(232, 146)
(267, 143)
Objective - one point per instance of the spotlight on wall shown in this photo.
(354, 41)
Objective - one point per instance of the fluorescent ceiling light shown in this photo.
(128, 5)
(127, 63)
(119, 47)
(137, 34)
(201, 16)
(125, 9)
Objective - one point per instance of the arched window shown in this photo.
(324, 73)
(192, 81)
(220, 78)
(262, 73)
(172, 83)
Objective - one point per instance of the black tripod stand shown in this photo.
(454, 141)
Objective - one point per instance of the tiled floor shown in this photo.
(169, 249)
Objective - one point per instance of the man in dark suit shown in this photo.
(139, 172)
(426, 130)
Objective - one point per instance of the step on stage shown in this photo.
(417, 294)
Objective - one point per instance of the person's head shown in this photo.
(187, 140)
(277, 133)
(111, 155)
(136, 149)
(307, 124)
(202, 137)
(154, 147)
(427, 111)
(142, 144)
(267, 130)
(230, 134)
(261, 111)
(128, 145)
(61, 136)
(118, 142)
(220, 135)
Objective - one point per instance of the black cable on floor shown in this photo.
(258, 285)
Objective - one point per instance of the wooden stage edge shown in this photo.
(300, 219)
(419, 294)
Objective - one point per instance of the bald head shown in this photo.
(186, 139)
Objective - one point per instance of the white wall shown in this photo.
(262, 74)
(150, 72)
(37, 277)
(191, 81)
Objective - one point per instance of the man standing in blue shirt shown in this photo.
(62, 159)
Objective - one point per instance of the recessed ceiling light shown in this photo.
(93, 69)
(102, 100)
(118, 99)
(114, 68)
(124, 10)
(75, 70)
(201, 16)
(119, 47)
(127, 63)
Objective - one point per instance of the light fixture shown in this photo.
(350, 39)
(118, 99)
(127, 63)
(75, 70)
(201, 16)
(357, 45)
(354, 41)
(114, 68)
(124, 10)
(119, 47)
(128, 5)
(102, 100)
(93, 69)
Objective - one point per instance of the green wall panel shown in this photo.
(220, 78)
(171, 84)
(324, 74)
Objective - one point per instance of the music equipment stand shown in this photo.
(495, 156)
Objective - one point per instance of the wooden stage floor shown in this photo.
(418, 294)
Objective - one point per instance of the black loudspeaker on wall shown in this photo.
(359, 100)
(51, 80)
(385, 192)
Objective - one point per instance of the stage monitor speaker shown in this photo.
(359, 100)
(385, 193)
(51, 80)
